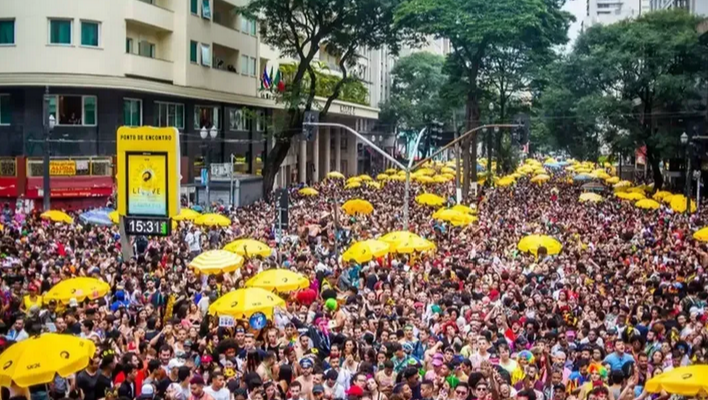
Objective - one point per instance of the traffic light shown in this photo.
(520, 134)
(308, 131)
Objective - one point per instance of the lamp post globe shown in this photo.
(203, 132)
(213, 132)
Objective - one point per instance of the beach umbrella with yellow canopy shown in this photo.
(531, 244)
(335, 175)
(249, 248)
(425, 172)
(457, 218)
(374, 185)
(407, 242)
(382, 177)
(242, 303)
(648, 204)
(114, 217)
(441, 179)
(57, 216)
(38, 360)
(591, 197)
(308, 191)
(391, 171)
(688, 381)
(464, 209)
(701, 235)
(630, 196)
(186, 214)
(354, 179)
(622, 184)
(365, 177)
(613, 180)
(352, 185)
(213, 220)
(366, 250)
(80, 288)
(357, 206)
(430, 199)
(678, 204)
(217, 262)
(424, 179)
(659, 196)
(506, 181)
(398, 178)
(447, 170)
(540, 179)
(279, 280)
(667, 199)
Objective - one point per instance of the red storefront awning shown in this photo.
(71, 186)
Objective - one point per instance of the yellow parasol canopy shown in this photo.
(352, 185)
(424, 179)
(430, 199)
(648, 204)
(701, 235)
(678, 204)
(505, 181)
(375, 185)
(335, 175)
(591, 197)
(406, 242)
(80, 288)
(622, 184)
(114, 217)
(216, 262)
(630, 196)
(308, 191)
(464, 209)
(457, 218)
(354, 179)
(659, 196)
(357, 206)
(441, 179)
(242, 303)
(391, 171)
(213, 220)
(382, 177)
(532, 243)
(249, 248)
(38, 360)
(57, 216)
(186, 214)
(279, 280)
(540, 178)
(687, 381)
(447, 170)
(365, 177)
(612, 180)
(366, 250)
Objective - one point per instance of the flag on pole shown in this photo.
(278, 83)
(266, 83)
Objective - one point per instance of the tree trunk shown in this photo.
(655, 169)
(500, 134)
(469, 145)
(275, 159)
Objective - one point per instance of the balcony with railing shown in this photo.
(157, 14)
(148, 52)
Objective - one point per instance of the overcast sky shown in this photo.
(577, 8)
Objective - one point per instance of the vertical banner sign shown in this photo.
(148, 172)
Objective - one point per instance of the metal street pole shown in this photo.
(489, 145)
(231, 180)
(407, 194)
(207, 164)
(458, 190)
(686, 142)
(48, 127)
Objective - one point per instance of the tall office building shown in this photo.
(699, 7)
(610, 11)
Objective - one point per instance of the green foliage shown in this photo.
(352, 90)
(415, 92)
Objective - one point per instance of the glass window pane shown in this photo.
(60, 32)
(253, 28)
(7, 32)
(70, 110)
(137, 117)
(194, 6)
(129, 45)
(89, 110)
(5, 111)
(244, 65)
(206, 55)
(126, 113)
(206, 9)
(89, 34)
(53, 106)
(193, 51)
(179, 119)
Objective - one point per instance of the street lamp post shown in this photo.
(685, 142)
(489, 144)
(49, 124)
(206, 146)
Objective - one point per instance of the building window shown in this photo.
(89, 33)
(73, 110)
(206, 9)
(193, 51)
(132, 112)
(248, 65)
(248, 25)
(5, 111)
(206, 116)
(194, 7)
(146, 49)
(260, 121)
(239, 119)
(206, 55)
(129, 45)
(170, 114)
(60, 31)
(7, 32)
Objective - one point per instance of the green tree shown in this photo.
(474, 27)
(415, 99)
(299, 29)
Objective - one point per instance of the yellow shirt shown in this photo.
(29, 303)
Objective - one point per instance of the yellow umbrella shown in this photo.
(38, 360)
(440, 179)
(430, 199)
(701, 235)
(114, 217)
(424, 179)
(425, 172)
(648, 204)
(382, 177)
(540, 178)
(506, 181)
(308, 191)
(457, 218)
(365, 177)
(242, 303)
(449, 177)
(80, 288)
(374, 185)
(678, 204)
(279, 280)
(622, 184)
(213, 220)
(532, 243)
(659, 196)
(447, 170)
(687, 381)
(335, 175)
(630, 196)
(217, 262)
(402, 173)
(667, 199)
(398, 178)
(540, 171)
(464, 209)
(636, 189)
(591, 197)
(406, 242)
(249, 248)
(357, 206)
(186, 214)
(366, 250)
(57, 216)
(354, 179)
(391, 171)
(466, 219)
(353, 185)
(613, 180)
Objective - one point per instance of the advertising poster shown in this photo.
(147, 184)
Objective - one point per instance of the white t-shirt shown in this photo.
(221, 394)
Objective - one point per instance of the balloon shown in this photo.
(331, 304)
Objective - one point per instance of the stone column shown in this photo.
(302, 164)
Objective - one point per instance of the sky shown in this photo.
(577, 8)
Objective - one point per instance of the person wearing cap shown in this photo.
(147, 392)
(318, 392)
(32, 298)
(305, 379)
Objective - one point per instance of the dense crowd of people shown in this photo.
(477, 319)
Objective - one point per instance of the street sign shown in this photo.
(221, 170)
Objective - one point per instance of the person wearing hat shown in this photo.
(147, 392)
(318, 392)
(32, 298)
(306, 378)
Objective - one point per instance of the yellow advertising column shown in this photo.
(148, 179)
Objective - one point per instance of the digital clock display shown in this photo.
(146, 226)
